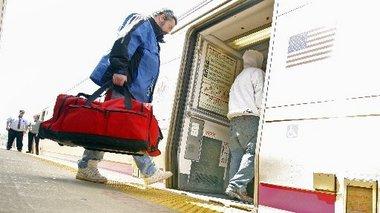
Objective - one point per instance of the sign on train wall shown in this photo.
(218, 76)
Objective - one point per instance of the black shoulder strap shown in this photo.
(110, 85)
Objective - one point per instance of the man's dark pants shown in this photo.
(31, 137)
(12, 134)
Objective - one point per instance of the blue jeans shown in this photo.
(242, 150)
(144, 163)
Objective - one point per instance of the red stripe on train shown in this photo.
(296, 200)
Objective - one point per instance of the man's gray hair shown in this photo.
(169, 14)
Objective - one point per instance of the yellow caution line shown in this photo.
(175, 201)
(178, 202)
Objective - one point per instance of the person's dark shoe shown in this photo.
(8, 148)
(238, 194)
(19, 150)
(28, 152)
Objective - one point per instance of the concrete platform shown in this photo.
(31, 185)
(59, 169)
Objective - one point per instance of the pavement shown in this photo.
(29, 184)
(46, 183)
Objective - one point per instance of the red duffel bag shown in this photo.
(121, 125)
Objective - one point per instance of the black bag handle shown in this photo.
(83, 95)
(110, 85)
(127, 97)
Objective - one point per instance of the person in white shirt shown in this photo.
(244, 114)
(33, 134)
(16, 129)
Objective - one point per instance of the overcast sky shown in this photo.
(48, 46)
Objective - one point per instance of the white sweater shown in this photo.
(246, 93)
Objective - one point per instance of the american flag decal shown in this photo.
(310, 46)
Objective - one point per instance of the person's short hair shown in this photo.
(169, 14)
(22, 111)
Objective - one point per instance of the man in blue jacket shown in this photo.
(136, 53)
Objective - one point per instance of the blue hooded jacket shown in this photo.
(136, 53)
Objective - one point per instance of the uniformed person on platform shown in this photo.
(34, 126)
(16, 128)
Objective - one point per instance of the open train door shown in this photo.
(197, 150)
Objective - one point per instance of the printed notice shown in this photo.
(224, 153)
(218, 75)
(194, 129)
